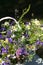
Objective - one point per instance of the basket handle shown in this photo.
(8, 17)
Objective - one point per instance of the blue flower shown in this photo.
(10, 40)
(4, 50)
(21, 51)
(6, 63)
(12, 23)
(1, 36)
(26, 34)
(3, 29)
(26, 23)
(8, 32)
(37, 42)
(24, 52)
(41, 43)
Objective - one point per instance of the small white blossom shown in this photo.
(8, 55)
(14, 28)
(13, 36)
(37, 22)
(1, 61)
(22, 38)
(6, 23)
(41, 28)
(28, 27)
(14, 57)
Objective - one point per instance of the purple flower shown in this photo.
(1, 36)
(24, 52)
(26, 23)
(12, 23)
(4, 50)
(8, 32)
(3, 29)
(10, 40)
(26, 34)
(6, 63)
(41, 43)
(37, 42)
(21, 51)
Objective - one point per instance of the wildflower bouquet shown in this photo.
(19, 40)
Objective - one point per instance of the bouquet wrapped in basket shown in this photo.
(19, 40)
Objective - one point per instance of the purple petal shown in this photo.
(37, 42)
(21, 51)
(8, 32)
(6, 63)
(10, 40)
(3, 29)
(41, 43)
(4, 50)
(26, 23)
(1, 36)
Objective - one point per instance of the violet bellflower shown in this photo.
(4, 50)
(21, 51)
(8, 32)
(3, 29)
(6, 63)
(26, 23)
(39, 42)
(1, 36)
(10, 40)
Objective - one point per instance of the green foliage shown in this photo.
(24, 13)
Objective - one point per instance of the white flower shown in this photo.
(37, 22)
(8, 55)
(23, 37)
(12, 36)
(33, 47)
(41, 28)
(1, 61)
(6, 23)
(14, 28)
(14, 57)
(28, 27)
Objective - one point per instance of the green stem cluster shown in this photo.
(24, 13)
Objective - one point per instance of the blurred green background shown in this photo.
(8, 7)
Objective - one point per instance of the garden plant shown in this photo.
(19, 40)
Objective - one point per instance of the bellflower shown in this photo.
(6, 63)
(3, 29)
(1, 36)
(39, 42)
(12, 23)
(4, 50)
(10, 40)
(21, 51)
(8, 33)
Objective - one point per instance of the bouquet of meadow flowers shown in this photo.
(19, 40)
